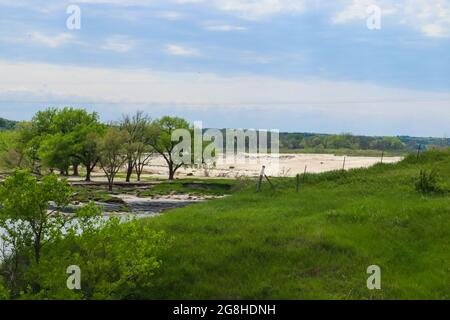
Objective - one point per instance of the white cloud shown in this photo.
(257, 9)
(179, 50)
(209, 90)
(357, 10)
(435, 31)
(431, 18)
(119, 2)
(49, 40)
(224, 28)
(169, 15)
(118, 43)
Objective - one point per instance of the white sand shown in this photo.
(288, 165)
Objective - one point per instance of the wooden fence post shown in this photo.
(270, 182)
(261, 176)
(343, 165)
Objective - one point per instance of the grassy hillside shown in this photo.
(316, 243)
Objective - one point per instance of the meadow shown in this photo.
(224, 240)
(317, 243)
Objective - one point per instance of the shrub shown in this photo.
(4, 294)
(118, 260)
(428, 182)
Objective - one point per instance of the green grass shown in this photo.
(346, 152)
(216, 187)
(315, 244)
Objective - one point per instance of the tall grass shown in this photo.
(317, 243)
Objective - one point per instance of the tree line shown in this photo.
(313, 141)
(68, 139)
(298, 141)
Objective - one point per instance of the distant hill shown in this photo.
(7, 124)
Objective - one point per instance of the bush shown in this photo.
(117, 261)
(4, 294)
(428, 182)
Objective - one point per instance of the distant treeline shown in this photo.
(317, 141)
(7, 124)
(299, 141)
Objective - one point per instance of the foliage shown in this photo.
(28, 224)
(428, 181)
(4, 294)
(111, 268)
(7, 124)
(54, 139)
(55, 152)
(42, 244)
(112, 153)
(137, 146)
(19, 148)
(69, 138)
(314, 244)
(161, 140)
(343, 141)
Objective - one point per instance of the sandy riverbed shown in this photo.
(285, 165)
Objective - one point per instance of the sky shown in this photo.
(292, 65)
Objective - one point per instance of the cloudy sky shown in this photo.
(293, 65)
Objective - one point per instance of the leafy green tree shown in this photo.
(43, 122)
(137, 128)
(55, 152)
(161, 140)
(24, 214)
(111, 268)
(113, 153)
(26, 201)
(11, 156)
(142, 155)
(19, 149)
(85, 147)
(81, 131)
(31, 218)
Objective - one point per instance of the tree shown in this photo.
(27, 146)
(56, 139)
(137, 128)
(69, 122)
(21, 148)
(31, 220)
(6, 124)
(55, 152)
(85, 148)
(25, 217)
(142, 156)
(161, 140)
(111, 267)
(80, 131)
(12, 150)
(112, 153)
